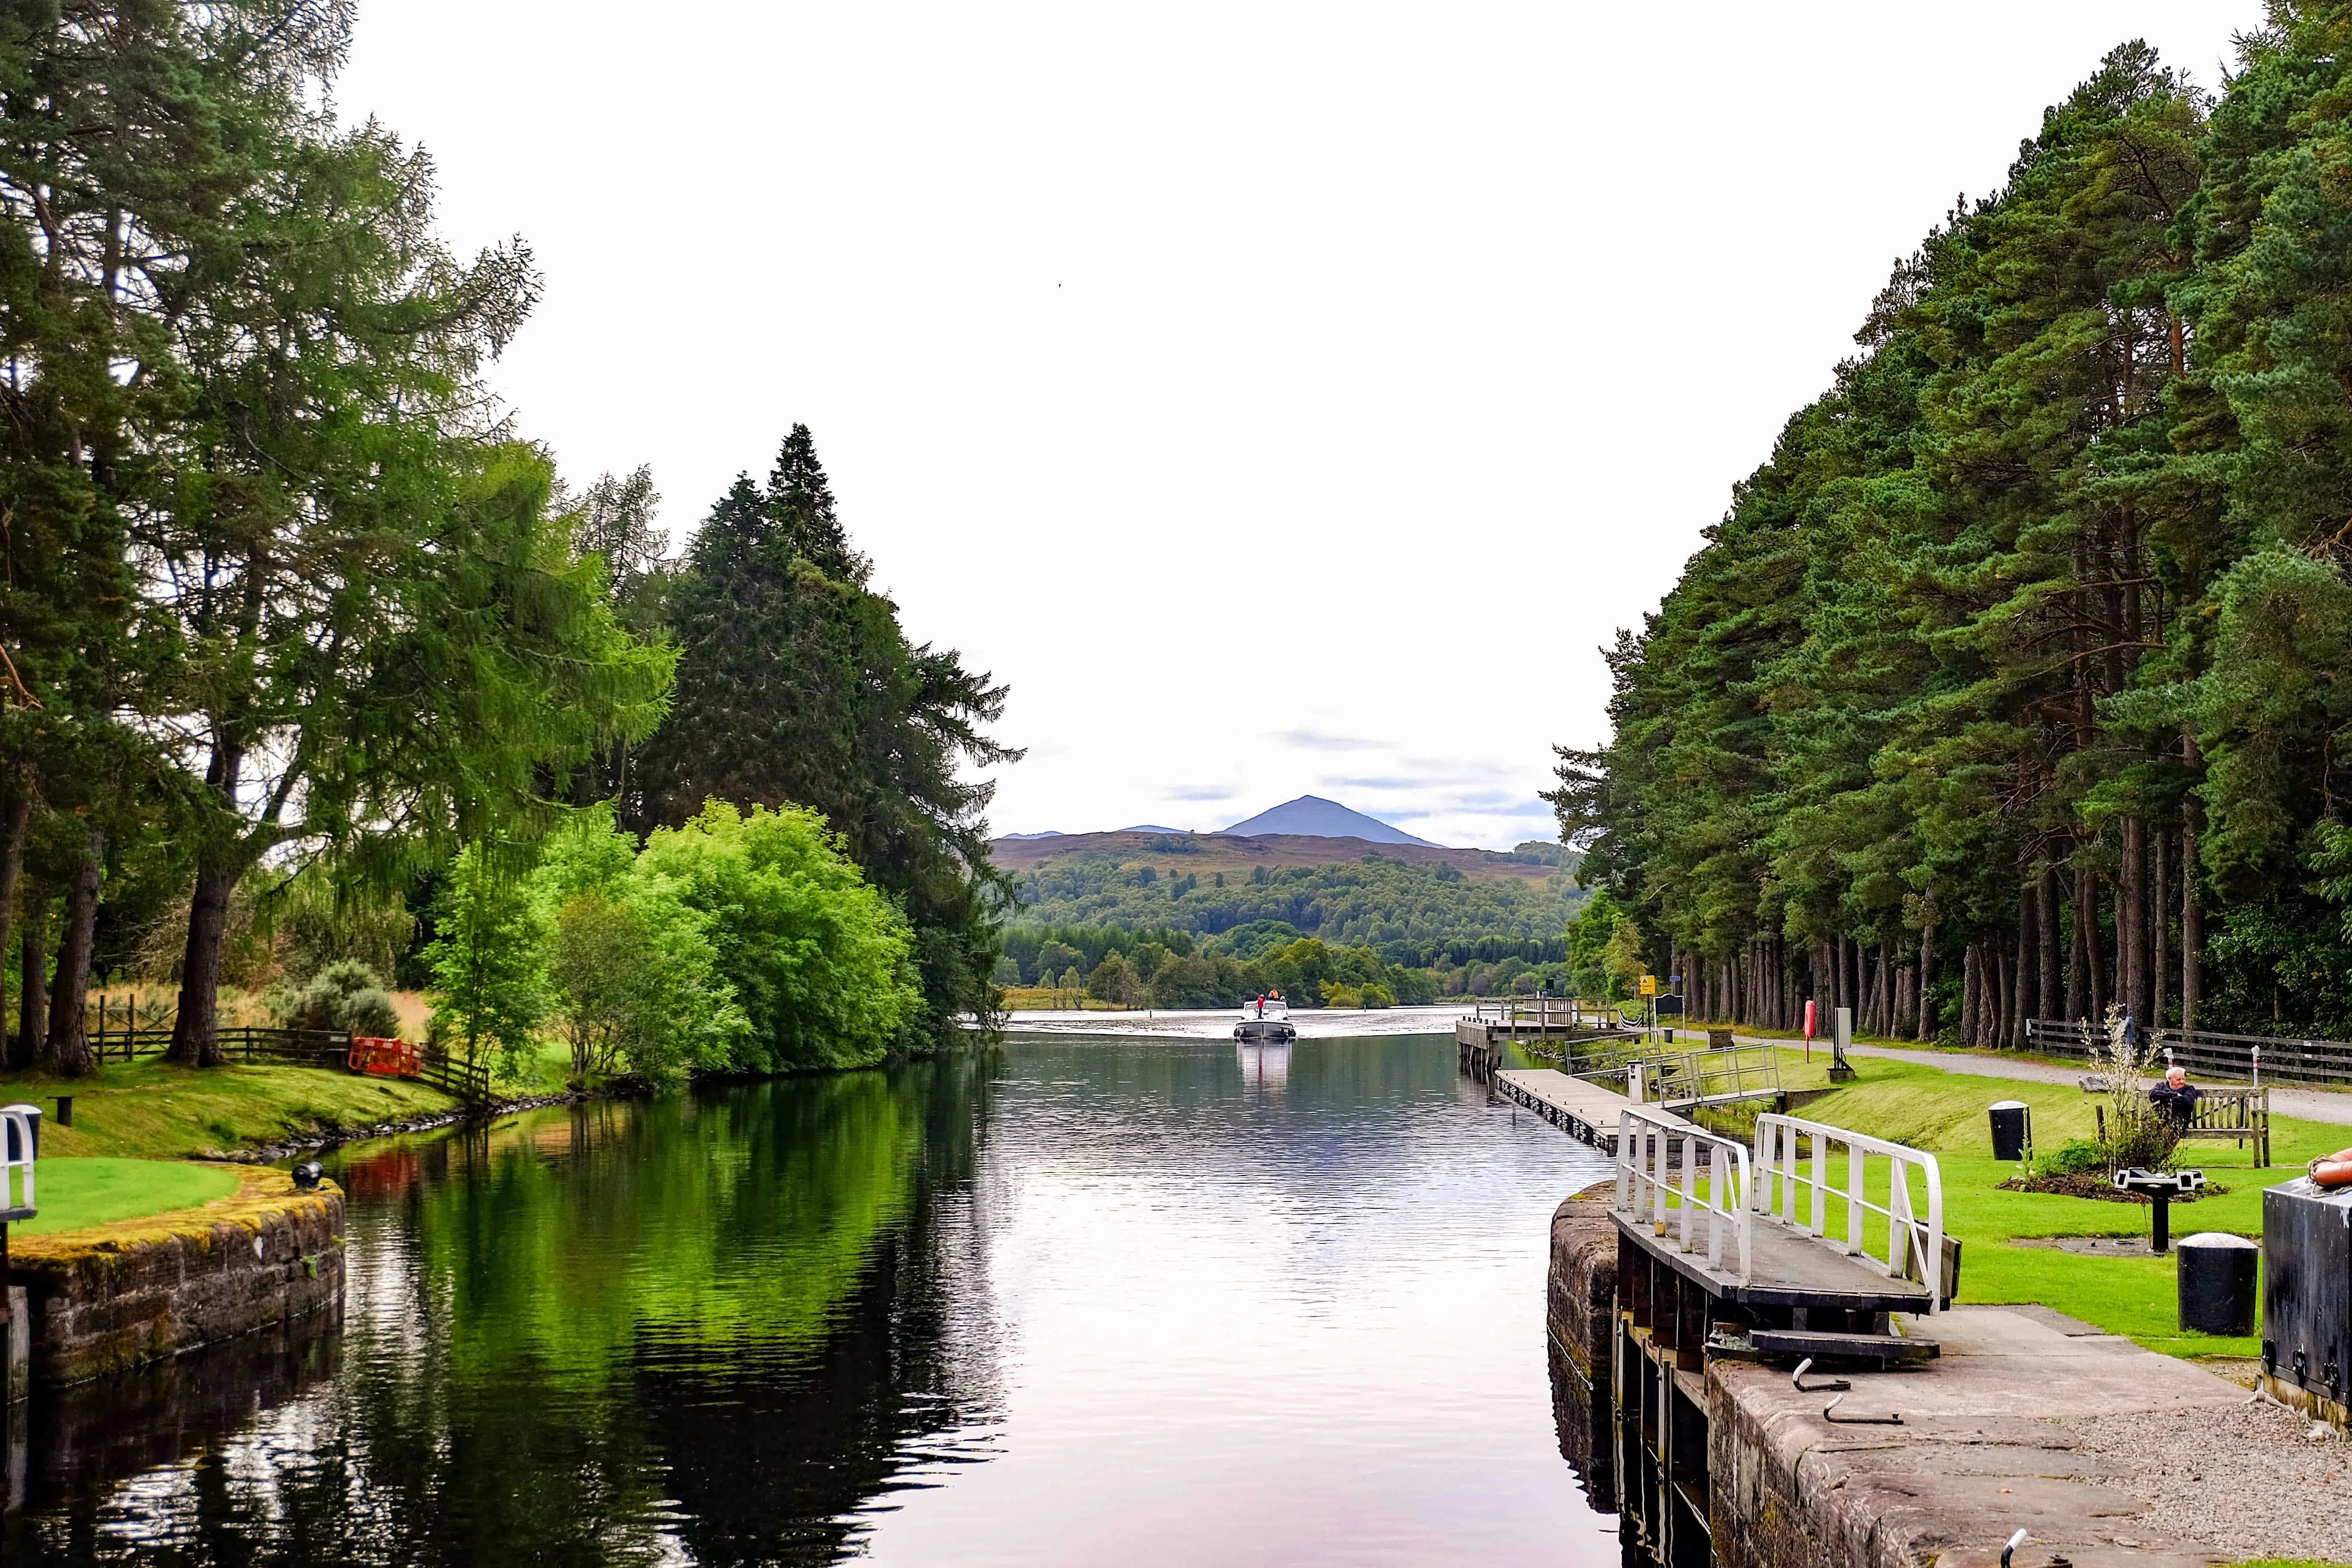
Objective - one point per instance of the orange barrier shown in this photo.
(382, 1058)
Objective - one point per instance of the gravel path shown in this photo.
(2250, 1479)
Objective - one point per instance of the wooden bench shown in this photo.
(2236, 1115)
(2232, 1115)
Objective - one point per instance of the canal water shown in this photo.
(1130, 1301)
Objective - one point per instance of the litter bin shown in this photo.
(2217, 1283)
(2012, 1130)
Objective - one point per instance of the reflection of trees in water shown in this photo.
(589, 1336)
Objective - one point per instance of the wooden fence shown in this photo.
(255, 1044)
(2207, 1054)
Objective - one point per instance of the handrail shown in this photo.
(1646, 1161)
(1778, 1155)
(20, 1147)
(1680, 1079)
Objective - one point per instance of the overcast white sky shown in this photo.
(1281, 399)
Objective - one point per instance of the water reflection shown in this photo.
(1081, 1300)
(1265, 1068)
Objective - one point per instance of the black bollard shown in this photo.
(2217, 1283)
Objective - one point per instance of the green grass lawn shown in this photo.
(72, 1194)
(1945, 1114)
(151, 1110)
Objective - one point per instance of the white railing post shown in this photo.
(1821, 1208)
(20, 1144)
(1690, 1189)
(1857, 1169)
(1716, 1178)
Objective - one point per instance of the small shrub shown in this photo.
(345, 994)
(371, 1011)
(2073, 1157)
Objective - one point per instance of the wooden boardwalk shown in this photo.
(1583, 1111)
(1786, 1269)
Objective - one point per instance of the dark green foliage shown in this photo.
(795, 685)
(2074, 1157)
(274, 588)
(2044, 602)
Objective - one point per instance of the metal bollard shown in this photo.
(2217, 1283)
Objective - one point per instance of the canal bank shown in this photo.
(86, 1303)
(2101, 1452)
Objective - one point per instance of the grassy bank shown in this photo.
(150, 1109)
(1945, 1114)
(76, 1195)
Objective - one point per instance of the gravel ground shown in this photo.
(2252, 1479)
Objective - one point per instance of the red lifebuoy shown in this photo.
(2332, 1170)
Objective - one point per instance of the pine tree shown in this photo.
(797, 686)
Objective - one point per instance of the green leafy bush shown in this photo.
(2073, 1157)
(345, 994)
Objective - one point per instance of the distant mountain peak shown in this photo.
(1312, 816)
(1147, 827)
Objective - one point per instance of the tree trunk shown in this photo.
(2159, 930)
(195, 1033)
(2078, 956)
(32, 1016)
(14, 818)
(2045, 914)
(2029, 968)
(2192, 933)
(67, 1052)
(2093, 951)
(2004, 996)
(1928, 1019)
(2131, 923)
(1971, 991)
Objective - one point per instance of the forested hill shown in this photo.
(1417, 904)
(2044, 603)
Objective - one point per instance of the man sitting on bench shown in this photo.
(2176, 1097)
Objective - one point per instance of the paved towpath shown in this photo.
(2307, 1104)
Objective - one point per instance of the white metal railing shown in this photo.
(1680, 1179)
(1781, 1177)
(19, 1143)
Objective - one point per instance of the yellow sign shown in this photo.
(1649, 985)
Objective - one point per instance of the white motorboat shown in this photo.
(1264, 1018)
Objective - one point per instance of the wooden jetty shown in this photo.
(1585, 1111)
(1578, 1038)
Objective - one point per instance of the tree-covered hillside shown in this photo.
(1414, 915)
(2019, 681)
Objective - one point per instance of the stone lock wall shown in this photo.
(112, 1298)
(1581, 1288)
(1580, 1307)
